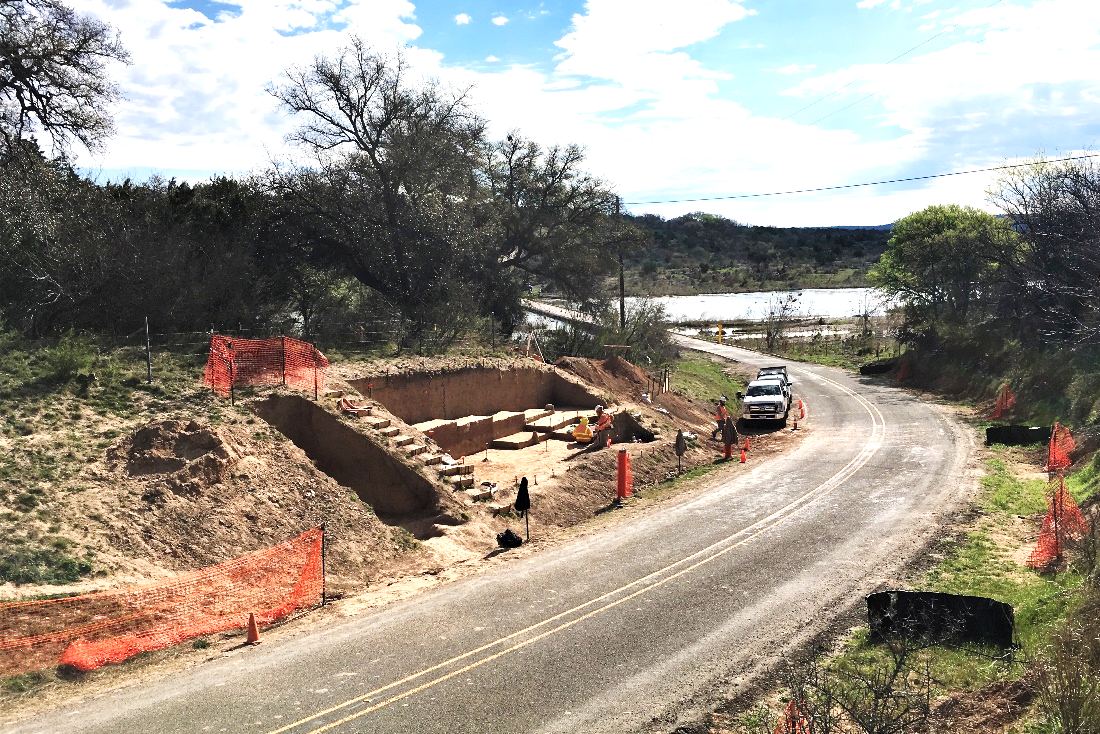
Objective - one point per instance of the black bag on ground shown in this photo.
(508, 539)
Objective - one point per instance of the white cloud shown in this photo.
(462, 19)
(500, 20)
(933, 14)
(869, 3)
(634, 42)
(491, 59)
(627, 80)
(796, 69)
(195, 94)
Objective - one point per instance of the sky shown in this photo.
(679, 105)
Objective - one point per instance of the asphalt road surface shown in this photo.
(642, 626)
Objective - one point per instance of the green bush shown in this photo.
(74, 355)
(22, 565)
(1067, 675)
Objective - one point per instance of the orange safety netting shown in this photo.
(793, 721)
(1063, 520)
(93, 629)
(1061, 445)
(277, 361)
(1006, 401)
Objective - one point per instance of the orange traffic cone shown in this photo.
(746, 443)
(253, 630)
(796, 424)
(742, 456)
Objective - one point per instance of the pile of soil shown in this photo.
(188, 495)
(626, 383)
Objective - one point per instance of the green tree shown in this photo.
(388, 191)
(53, 75)
(544, 217)
(941, 260)
(1052, 281)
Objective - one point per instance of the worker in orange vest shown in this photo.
(583, 432)
(604, 421)
(720, 415)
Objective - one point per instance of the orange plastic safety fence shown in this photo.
(277, 361)
(1063, 520)
(1061, 446)
(793, 721)
(91, 630)
(903, 372)
(1006, 401)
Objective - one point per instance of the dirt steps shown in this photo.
(456, 470)
(377, 423)
(559, 419)
(519, 440)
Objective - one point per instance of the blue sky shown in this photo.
(674, 101)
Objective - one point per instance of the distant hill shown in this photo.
(702, 252)
(862, 226)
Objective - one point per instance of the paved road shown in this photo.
(636, 628)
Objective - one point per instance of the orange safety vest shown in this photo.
(720, 414)
(583, 432)
(605, 421)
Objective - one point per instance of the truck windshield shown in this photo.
(755, 391)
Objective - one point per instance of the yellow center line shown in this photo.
(775, 519)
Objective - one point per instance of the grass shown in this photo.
(1006, 493)
(702, 377)
(978, 562)
(62, 404)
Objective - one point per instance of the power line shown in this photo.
(868, 183)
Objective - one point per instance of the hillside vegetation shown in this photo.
(707, 253)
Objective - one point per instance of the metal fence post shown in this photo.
(148, 354)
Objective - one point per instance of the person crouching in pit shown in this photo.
(582, 434)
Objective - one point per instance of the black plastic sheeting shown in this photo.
(878, 368)
(1016, 435)
(942, 618)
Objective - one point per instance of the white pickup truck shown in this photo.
(767, 398)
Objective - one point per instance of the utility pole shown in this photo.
(622, 279)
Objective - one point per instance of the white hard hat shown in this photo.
(722, 399)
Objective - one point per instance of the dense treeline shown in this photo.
(1017, 296)
(715, 253)
(394, 204)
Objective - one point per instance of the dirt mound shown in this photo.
(189, 494)
(626, 383)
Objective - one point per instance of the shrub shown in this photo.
(1067, 675)
(74, 355)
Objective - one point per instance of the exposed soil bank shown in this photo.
(466, 391)
(389, 486)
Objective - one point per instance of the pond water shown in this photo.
(717, 307)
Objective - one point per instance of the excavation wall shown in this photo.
(474, 391)
(349, 457)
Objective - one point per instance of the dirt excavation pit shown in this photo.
(470, 409)
(396, 491)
